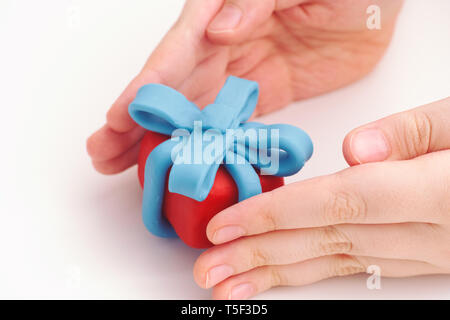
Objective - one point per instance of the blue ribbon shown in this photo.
(162, 109)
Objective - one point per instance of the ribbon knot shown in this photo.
(227, 119)
(253, 145)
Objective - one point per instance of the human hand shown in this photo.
(390, 209)
(294, 49)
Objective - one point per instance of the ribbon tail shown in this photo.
(194, 175)
(245, 176)
(156, 167)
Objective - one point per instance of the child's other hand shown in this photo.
(392, 213)
(295, 49)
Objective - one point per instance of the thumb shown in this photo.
(237, 19)
(402, 136)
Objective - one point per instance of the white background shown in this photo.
(69, 232)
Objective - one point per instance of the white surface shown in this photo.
(68, 232)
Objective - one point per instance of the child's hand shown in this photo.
(394, 214)
(295, 49)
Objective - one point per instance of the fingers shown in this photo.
(207, 78)
(387, 192)
(118, 164)
(258, 280)
(275, 91)
(255, 281)
(106, 144)
(238, 19)
(117, 117)
(409, 241)
(405, 135)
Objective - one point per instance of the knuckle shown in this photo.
(276, 278)
(258, 258)
(333, 241)
(267, 215)
(344, 206)
(344, 265)
(416, 132)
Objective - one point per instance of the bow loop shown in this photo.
(241, 96)
(162, 109)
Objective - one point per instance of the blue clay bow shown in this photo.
(162, 109)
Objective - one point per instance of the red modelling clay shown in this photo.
(189, 217)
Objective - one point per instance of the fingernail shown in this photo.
(369, 145)
(228, 233)
(227, 19)
(241, 291)
(218, 274)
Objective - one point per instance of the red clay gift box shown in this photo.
(195, 163)
(176, 207)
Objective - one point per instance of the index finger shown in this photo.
(375, 193)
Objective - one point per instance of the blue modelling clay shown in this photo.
(162, 109)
